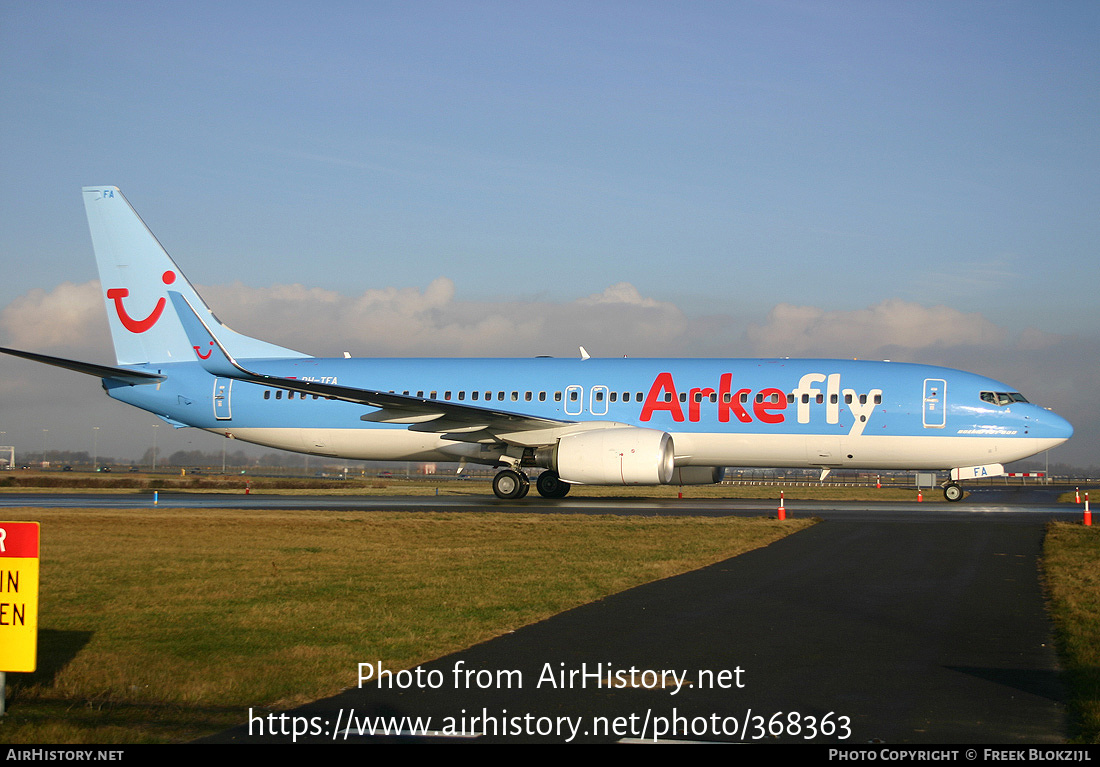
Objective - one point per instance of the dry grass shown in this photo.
(1072, 567)
(165, 625)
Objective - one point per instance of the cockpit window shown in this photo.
(1002, 397)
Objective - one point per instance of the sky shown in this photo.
(913, 181)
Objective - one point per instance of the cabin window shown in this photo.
(542, 396)
(420, 394)
(432, 395)
(557, 396)
(267, 394)
(462, 395)
(500, 396)
(573, 396)
(279, 394)
(515, 396)
(599, 395)
(527, 396)
(446, 395)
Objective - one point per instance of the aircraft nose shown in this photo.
(1054, 426)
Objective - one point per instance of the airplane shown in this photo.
(619, 421)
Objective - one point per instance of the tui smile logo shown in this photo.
(135, 325)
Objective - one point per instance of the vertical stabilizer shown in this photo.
(136, 274)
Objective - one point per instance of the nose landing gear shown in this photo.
(953, 491)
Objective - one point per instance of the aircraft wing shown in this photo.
(457, 420)
(123, 375)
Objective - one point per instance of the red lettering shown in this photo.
(663, 396)
(656, 399)
(769, 399)
(728, 401)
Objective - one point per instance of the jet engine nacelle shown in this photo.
(620, 456)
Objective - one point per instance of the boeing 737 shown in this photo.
(577, 421)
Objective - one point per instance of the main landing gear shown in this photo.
(549, 485)
(510, 484)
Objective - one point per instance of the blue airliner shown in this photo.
(575, 421)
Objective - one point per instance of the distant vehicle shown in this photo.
(66, 468)
(105, 469)
(579, 421)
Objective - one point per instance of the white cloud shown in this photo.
(807, 330)
(431, 322)
(68, 318)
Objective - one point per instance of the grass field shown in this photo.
(162, 626)
(1072, 567)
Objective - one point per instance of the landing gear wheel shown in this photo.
(510, 484)
(952, 492)
(549, 485)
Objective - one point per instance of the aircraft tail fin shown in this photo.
(136, 274)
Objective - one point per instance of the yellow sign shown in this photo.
(18, 596)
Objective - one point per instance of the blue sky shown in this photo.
(913, 163)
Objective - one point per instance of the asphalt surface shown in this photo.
(1019, 501)
(889, 623)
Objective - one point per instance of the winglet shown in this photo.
(209, 351)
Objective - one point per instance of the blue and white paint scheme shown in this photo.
(576, 421)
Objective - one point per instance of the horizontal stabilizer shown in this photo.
(122, 375)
